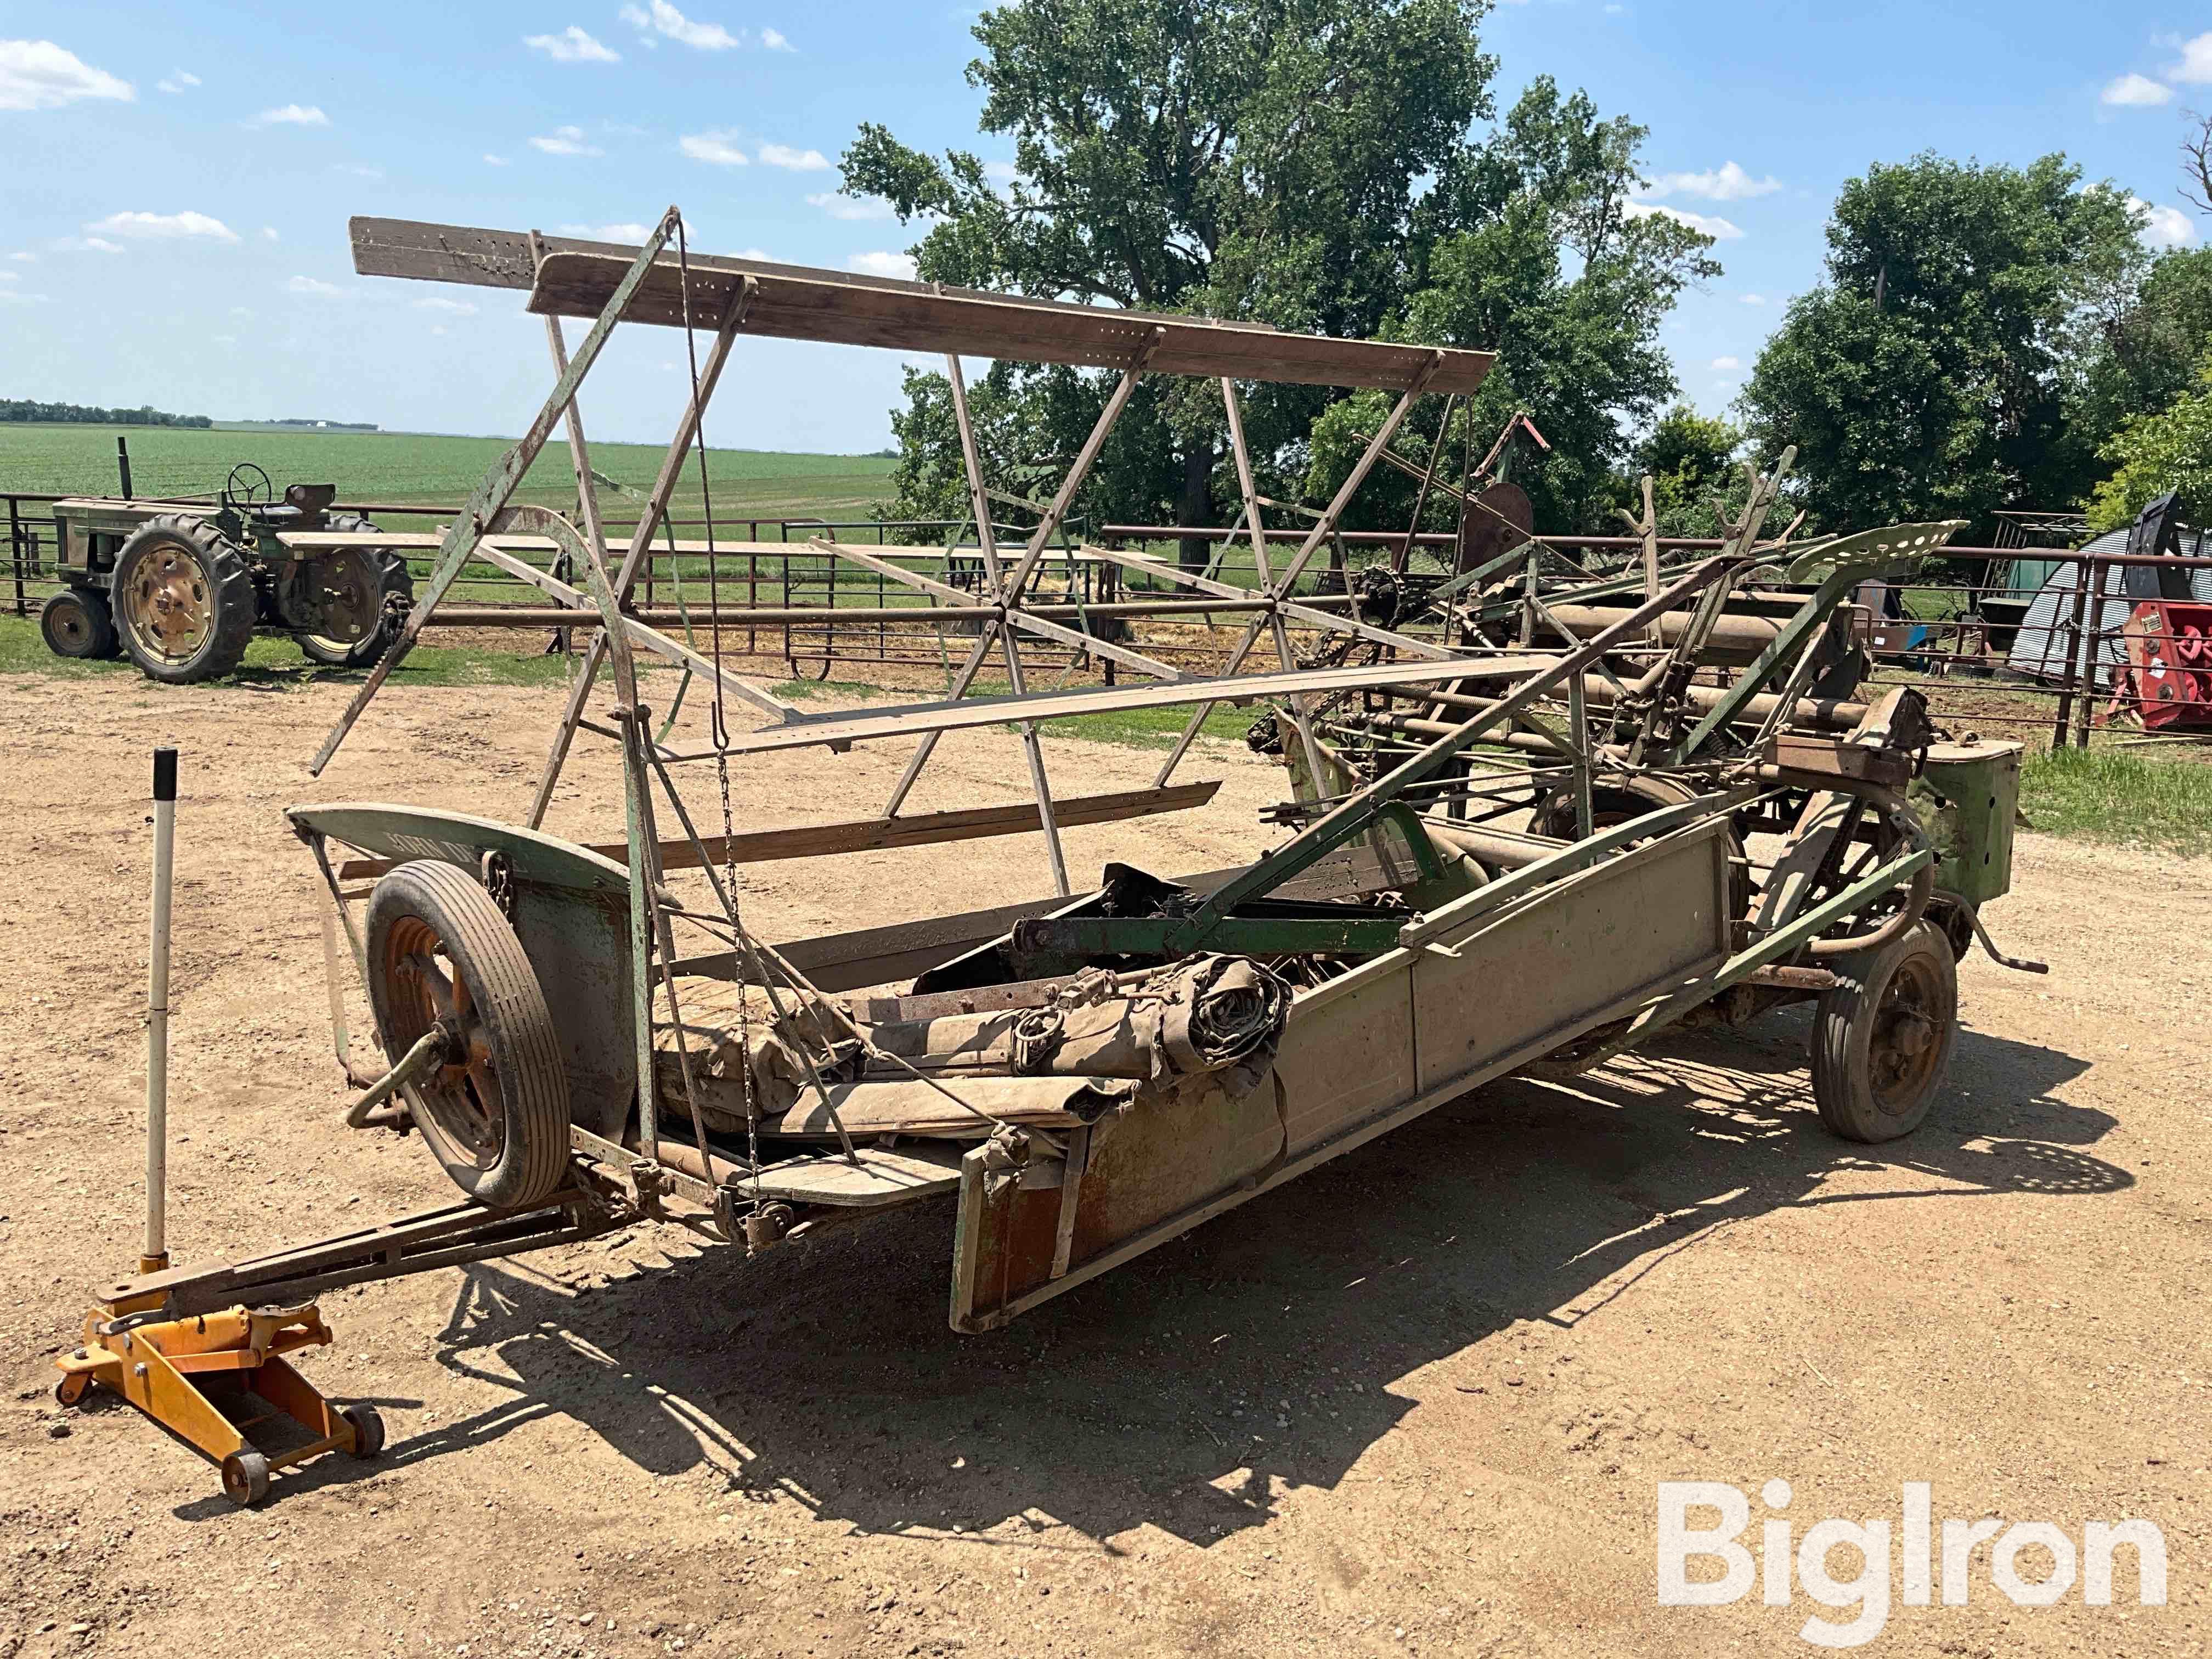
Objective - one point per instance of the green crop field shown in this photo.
(405, 467)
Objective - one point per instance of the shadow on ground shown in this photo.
(826, 1368)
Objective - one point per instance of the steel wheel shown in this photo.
(77, 623)
(441, 955)
(184, 600)
(169, 606)
(1882, 1037)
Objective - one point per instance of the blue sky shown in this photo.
(175, 179)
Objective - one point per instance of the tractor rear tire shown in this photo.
(1883, 1035)
(394, 578)
(496, 1116)
(77, 623)
(183, 601)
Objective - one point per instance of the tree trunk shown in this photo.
(1196, 507)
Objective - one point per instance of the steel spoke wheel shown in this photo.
(1882, 1036)
(442, 957)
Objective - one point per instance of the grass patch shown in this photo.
(2108, 795)
(274, 663)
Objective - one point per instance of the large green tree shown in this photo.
(1313, 164)
(1937, 371)
(1530, 246)
(1249, 158)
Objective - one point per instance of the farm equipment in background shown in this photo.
(2167, 681)
(180, 588)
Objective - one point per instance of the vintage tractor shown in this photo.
(180, 589)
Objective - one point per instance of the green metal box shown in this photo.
(1969, 795)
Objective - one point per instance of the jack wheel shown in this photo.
(367, 1430)
(72, 1389)
(245, 1478)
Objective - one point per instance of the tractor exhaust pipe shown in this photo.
(155, 1257)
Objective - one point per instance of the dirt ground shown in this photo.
(1415, 1402)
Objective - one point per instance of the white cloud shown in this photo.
(572, 45)
(9, 297)
(163, 224)
(799, 160)
(1000, 173)
(269, 233)
(293, 115)
(39, 75)
(774, 40)
(883, 265)
(1724, 365)
(658, 17)
(101, 245)
(25, 259)
(851, 207)
(494, 161)
(224, 339)
(565, 141)
(362, 172)
(178, 81)
(321, 290)
(1752, 299)
(624, 233)
(2134, 92)
(458, 308)
(2163, 226)
(2196, 65)
(759, 253)
(1712, 223)
(1726, 183)
(713, 147)
(11, 275)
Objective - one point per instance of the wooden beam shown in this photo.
(809, 841)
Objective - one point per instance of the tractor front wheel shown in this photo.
(76, 623)
(183, 601)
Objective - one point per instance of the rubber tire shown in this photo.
(367, 1428)
(1843, 1024)
(245, 1478)
(98, 643)
(230, 580)
(365, 653)
(526, 1048)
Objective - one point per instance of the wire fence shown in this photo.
(2059, 647)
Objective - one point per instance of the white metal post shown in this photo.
(157, 1253)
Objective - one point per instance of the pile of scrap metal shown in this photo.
(1502, 853)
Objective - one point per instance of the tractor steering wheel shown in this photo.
(244, 494)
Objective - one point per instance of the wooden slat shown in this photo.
(839, 731)
(805, 303)
(875, 834)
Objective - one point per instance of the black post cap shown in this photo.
(164, 775)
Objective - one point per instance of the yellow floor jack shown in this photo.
(211, 1378)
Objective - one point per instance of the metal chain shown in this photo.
(718, 721)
